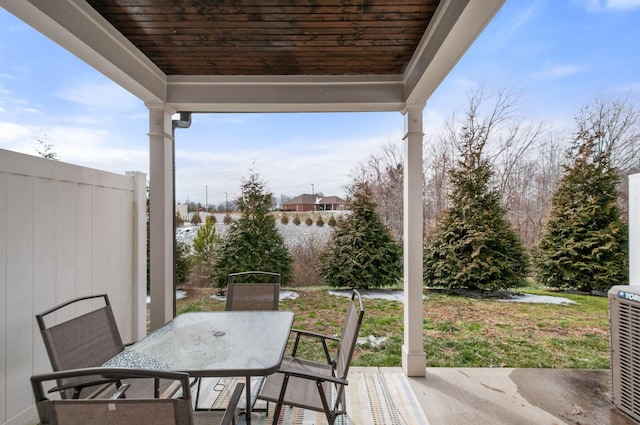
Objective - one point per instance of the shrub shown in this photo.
(308, 221)
(296, 220)
(211, 219)
(474, 246)
(179, 220)
(183, 263)
(284, 219)
(332, 221)
(306, 256)
(320, 222)
(195, 218)
(205, 241)
(584, 244)
(227, 219)
(361, 252)
(253, 242)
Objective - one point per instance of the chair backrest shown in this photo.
(87, 340)
(253, 290)
(254, 276)
(350, 331)
(122, 411)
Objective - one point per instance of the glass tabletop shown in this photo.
(229, 343)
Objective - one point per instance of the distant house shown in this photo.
(306, 202)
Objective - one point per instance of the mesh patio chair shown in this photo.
(253, 290)
(86, 340)
(314, 385)
(172, 408)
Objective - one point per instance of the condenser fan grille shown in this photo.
(625, 349)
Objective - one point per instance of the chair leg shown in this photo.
(325, 404)
(283, 390)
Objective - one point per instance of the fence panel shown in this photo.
(65, 231)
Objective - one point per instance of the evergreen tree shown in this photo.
(361, 252)
(584, 244)
(204, 248)
(474, 246)
(206, 240)
(195, 218)
(183, 263)
(252, 242)
(179, 219)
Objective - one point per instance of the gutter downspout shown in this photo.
(183, 122)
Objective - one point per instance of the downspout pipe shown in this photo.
(184, 121)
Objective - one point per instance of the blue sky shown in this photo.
(557, 54)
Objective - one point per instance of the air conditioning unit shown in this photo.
(624, 319)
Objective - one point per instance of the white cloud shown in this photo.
(11, 133)
(95, 148)
(75, 145)
(622, 4)
(99, 95)
(555, 71)
(525, 12)
(598, 6)
(284, 172)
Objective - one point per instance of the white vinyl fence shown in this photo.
(65, 231)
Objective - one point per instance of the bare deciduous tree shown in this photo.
(437, 163)
(615, 125)
(504, 139)
(383, 172)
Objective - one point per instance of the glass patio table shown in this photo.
(214, 344)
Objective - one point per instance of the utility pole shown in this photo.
(206, 198)
(226, 202)
(312, 189)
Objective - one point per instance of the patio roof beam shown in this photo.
(286, 93)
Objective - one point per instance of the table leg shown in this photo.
(247, 409)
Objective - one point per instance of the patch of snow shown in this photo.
(284, 295)
(539, 299)
(372, 340)
(291, 234)
(377, 294)
(288, 295)
(381, 294)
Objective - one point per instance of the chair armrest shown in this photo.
(77, 388)
(315, 376)
(323, 338)
(303, 332)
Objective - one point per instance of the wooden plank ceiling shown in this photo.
(272, 37)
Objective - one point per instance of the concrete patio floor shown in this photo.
(472, 396)
(451, 396)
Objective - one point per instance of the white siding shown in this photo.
(65, 231)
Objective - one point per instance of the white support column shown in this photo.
(161, 214)
(413, 355)
(634, 229)
(139, 290)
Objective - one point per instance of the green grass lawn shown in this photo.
(458, 331)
